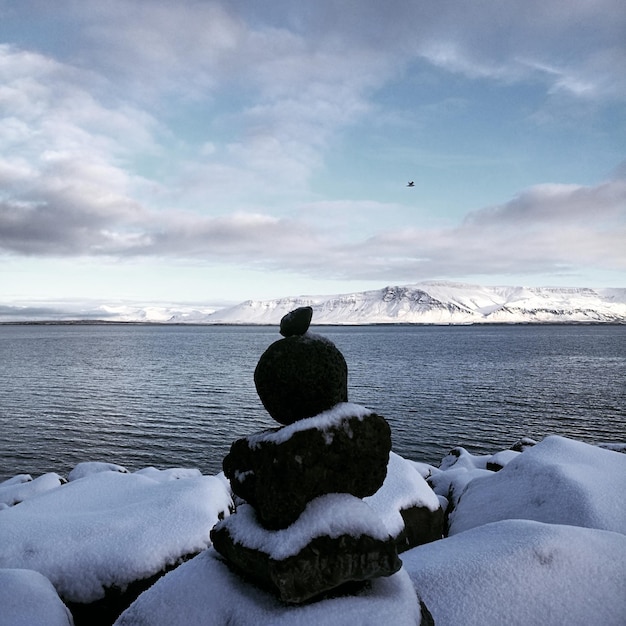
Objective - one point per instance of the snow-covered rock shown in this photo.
(407, 505)
(94, 467)
(205, 591)
(456, 470)
(542, 541)
(173, 473)
(279, 471)
(558, 481)
(519, 572)
(110, 529)
(337, 539)
(22, 487)
(27, 598)
(497, 461)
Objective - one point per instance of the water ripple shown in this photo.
(178, 396)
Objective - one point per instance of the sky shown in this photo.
(213, 152)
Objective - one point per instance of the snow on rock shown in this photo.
(558, 481)
(456, 470)
(28, 598)
(451, 483)
(541, 541)
(16, 480)
(331, 515)
(403, 488)
(22, 487)
(93, 467)
(205, 591)
(173, 473)
(497, 461)
(519, 572)
(460, 458)
(323, 422)
(110, 528)
(278, 472)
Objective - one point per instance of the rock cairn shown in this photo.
(301, 528)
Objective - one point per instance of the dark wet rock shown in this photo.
(421, 525)
(296, 322)
(321, 564)
(426, 615)
(280, 471)
(116, 600)
(325, 564)
(301, 376)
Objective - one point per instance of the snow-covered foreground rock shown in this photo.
(109, 529)
(541, 541)
(28, 598)
(22, 487)
(204, 591)
(523, 572)
(558, 481)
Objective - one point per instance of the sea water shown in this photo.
(177, 396)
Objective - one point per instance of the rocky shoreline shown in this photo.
(553, 498)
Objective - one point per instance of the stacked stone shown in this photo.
(302, 528)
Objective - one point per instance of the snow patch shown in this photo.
(331, 515)
(403, 488)
(322, 422)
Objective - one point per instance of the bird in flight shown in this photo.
(410, 184)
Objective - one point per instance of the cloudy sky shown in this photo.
(211, 152)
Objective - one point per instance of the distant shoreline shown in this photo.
(336, 325)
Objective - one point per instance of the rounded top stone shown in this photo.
(300, 376)
(296, 322)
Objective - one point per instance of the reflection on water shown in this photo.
(178, 395)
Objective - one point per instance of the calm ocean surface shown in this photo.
(177, 396)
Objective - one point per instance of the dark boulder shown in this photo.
(421, 525)
(278, 472)
(321, 563)
(296, 322)
(324, 564)
(301, 376)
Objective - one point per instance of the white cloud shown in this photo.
(544, 229)
(558, 205)
(74, 128)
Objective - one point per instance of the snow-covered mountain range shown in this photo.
(421, 303)
(441, 303)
